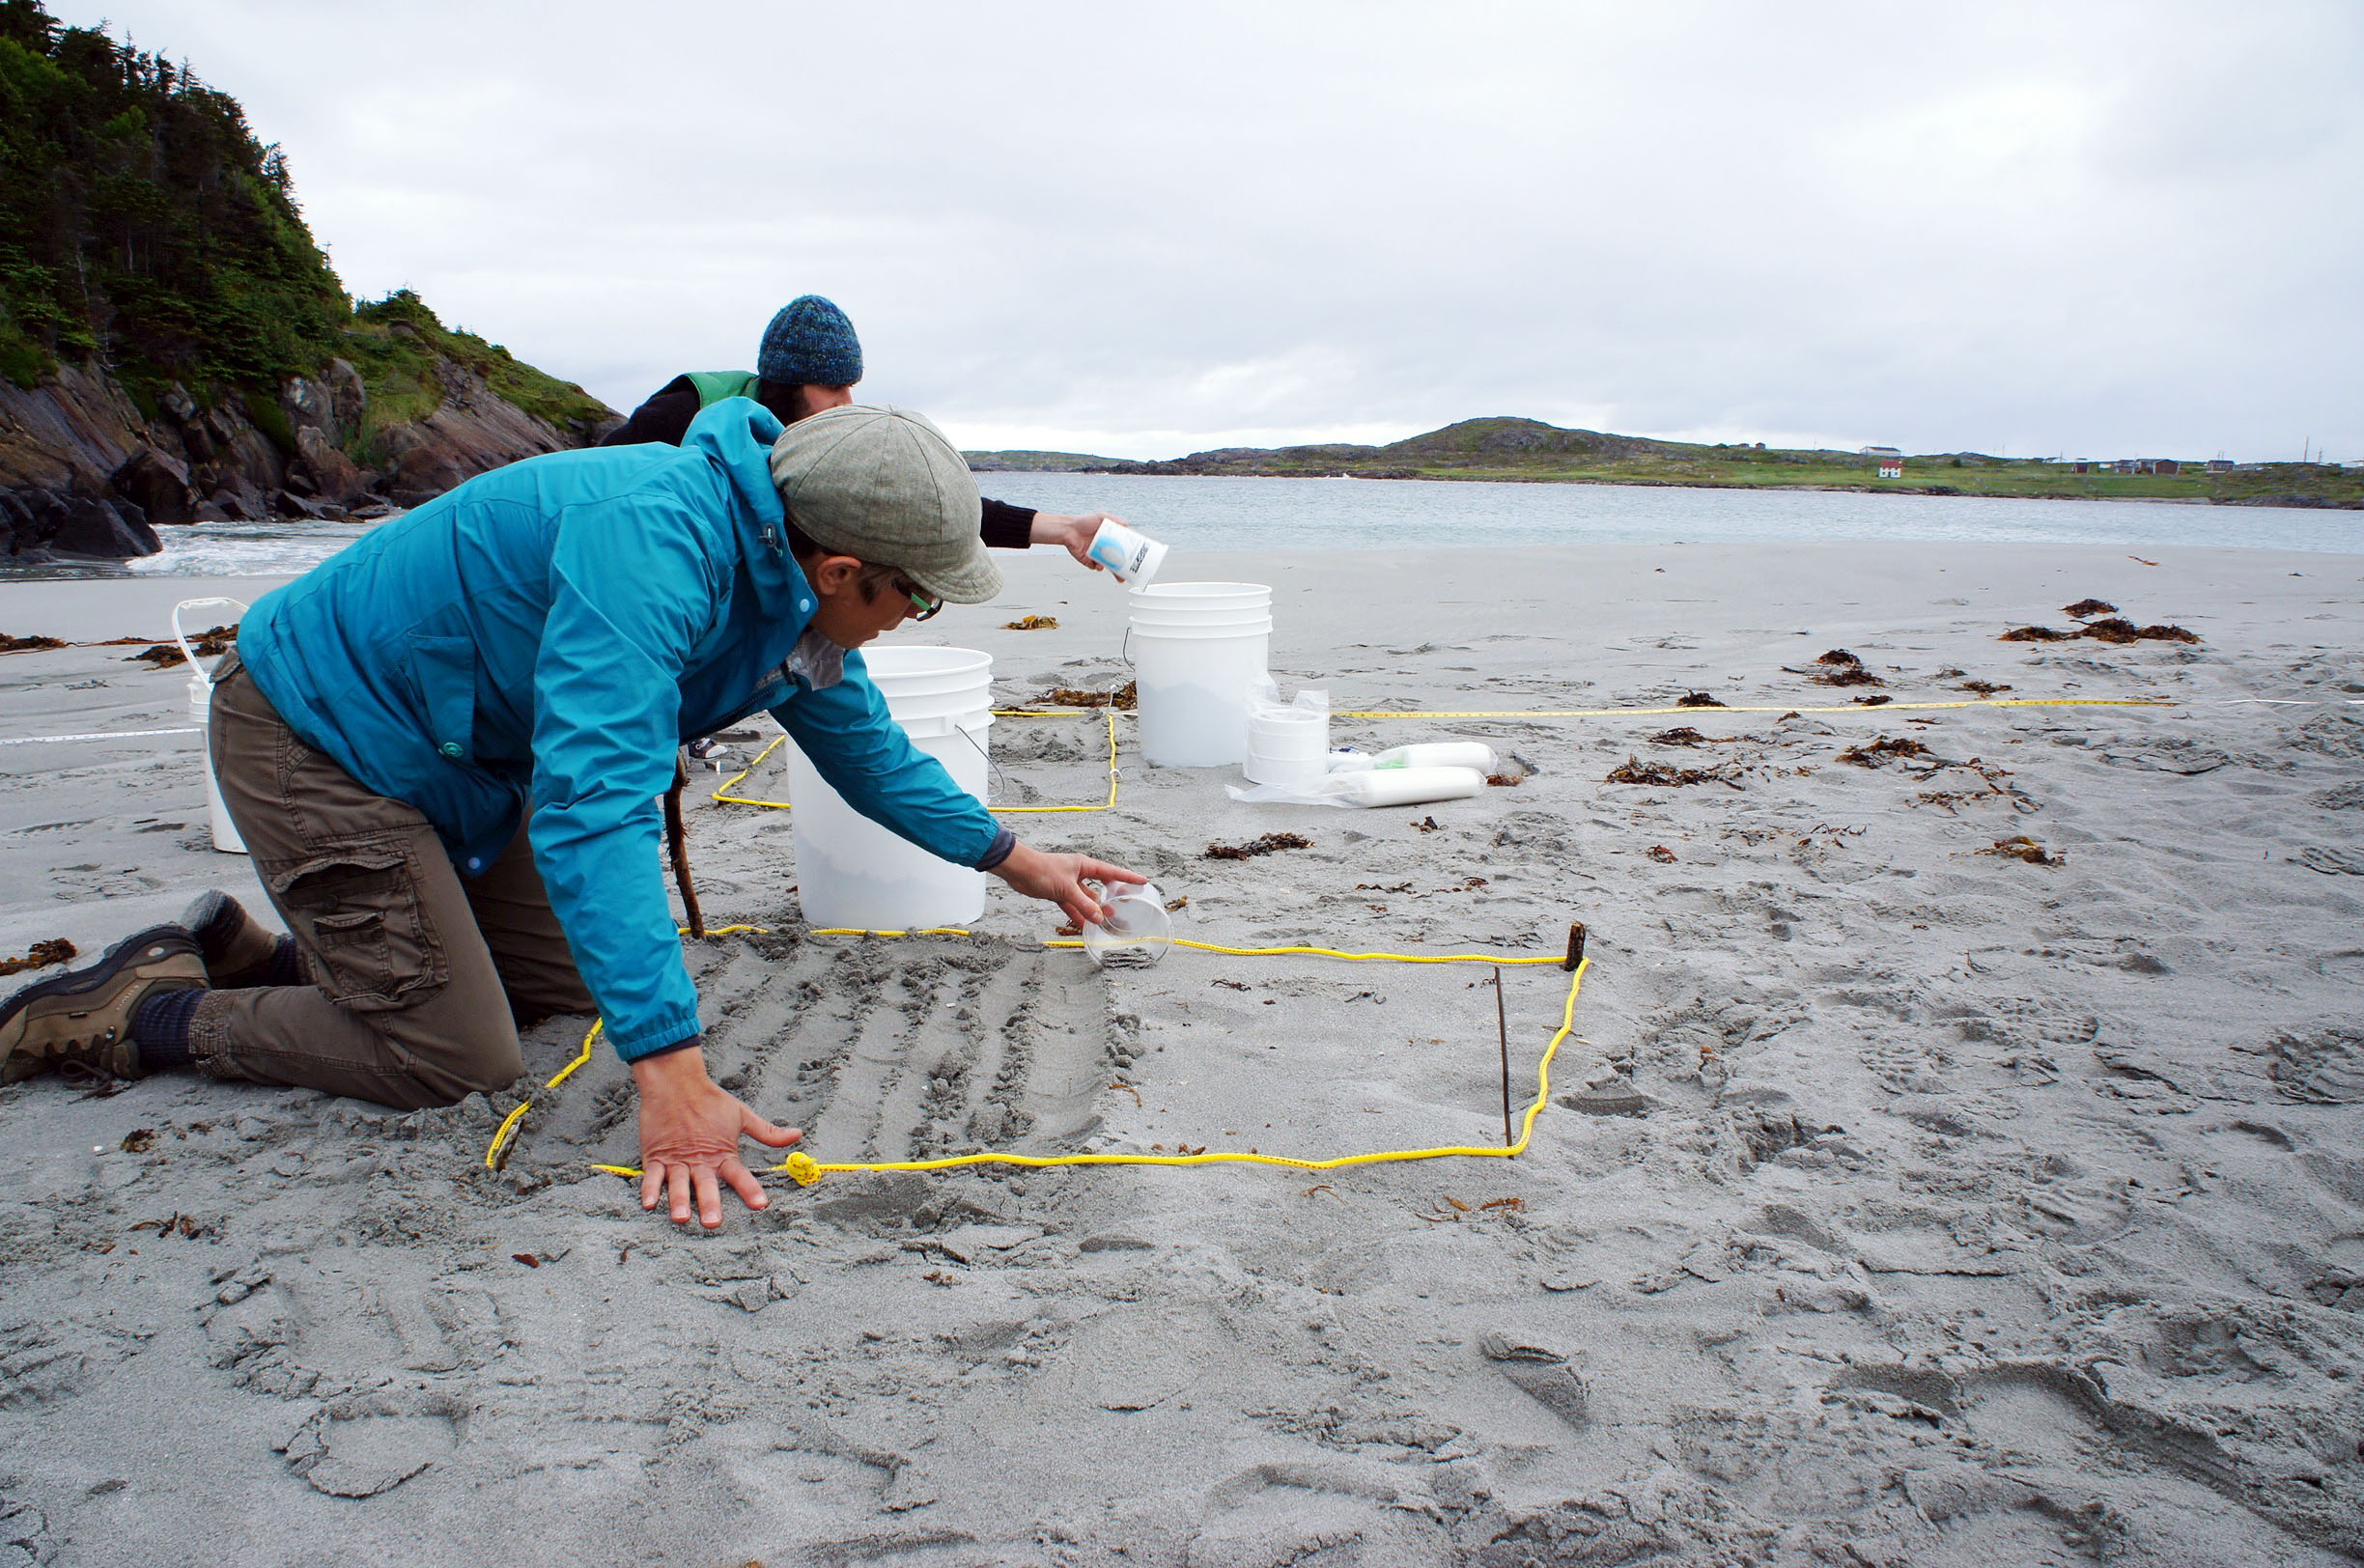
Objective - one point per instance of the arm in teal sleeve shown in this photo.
(866, 758)
(634, 585)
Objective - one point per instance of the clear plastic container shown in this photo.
(1138, 931)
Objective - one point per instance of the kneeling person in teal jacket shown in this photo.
(444, 748)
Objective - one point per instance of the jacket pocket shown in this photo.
(357, 910)
(445, 670)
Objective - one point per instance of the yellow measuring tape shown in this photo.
(1775, 707)
(721, 794)
(806, 1170)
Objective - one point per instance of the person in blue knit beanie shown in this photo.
(808, 360)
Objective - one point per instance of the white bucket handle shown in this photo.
(181, 636)
(1001, 784)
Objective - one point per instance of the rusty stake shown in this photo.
(1502, 1026)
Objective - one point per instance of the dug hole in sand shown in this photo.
(1904, 1197)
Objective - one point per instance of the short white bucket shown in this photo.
(1293, 753)
(853, 872)
(201, 712)
(1197, 648)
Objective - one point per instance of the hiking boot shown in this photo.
(83, 1019)
(239, 951)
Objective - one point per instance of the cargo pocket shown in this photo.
(359, 911)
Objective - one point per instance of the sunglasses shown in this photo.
(921, 605)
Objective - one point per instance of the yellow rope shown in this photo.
(1776, 708)
(723, 796)
(806, 1170)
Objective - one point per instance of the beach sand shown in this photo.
(1898, 1201)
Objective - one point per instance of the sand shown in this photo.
(1898, 1202)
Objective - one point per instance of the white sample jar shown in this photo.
(1132, 557)
(1137, 931)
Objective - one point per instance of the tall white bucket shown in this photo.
(201, 712)
(1197, 648)
(851, 872)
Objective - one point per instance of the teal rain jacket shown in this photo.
(551, 632)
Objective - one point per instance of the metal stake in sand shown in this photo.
(1502, 1026)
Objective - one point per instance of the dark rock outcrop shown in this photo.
(85, 472)
(112, 530)
(331, 475)
(158, 484)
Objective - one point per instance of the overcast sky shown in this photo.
(2087, 229)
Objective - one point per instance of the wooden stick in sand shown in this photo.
(677, 844)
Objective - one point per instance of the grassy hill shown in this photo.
(1021, 462)
(1529, 450)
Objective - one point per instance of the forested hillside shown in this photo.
(175, 346)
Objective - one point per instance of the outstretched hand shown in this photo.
(1072, 532)
(1058, 879)
(689, 1132)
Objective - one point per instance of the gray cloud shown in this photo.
(2098, 228)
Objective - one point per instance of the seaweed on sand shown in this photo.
(211, 643)
(2110, 630)
(2115, 630)
(1697, 699)
(1031, 622)
(1123, 699)
(1634, 771)
(2085, 607)
(1840, 655)
(1882, 749)
(1683, 735)
(1257, 846)
(2020, 847)
(28, 645)
(56, 951)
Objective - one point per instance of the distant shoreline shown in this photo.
(2291, 502)
(1508, 450)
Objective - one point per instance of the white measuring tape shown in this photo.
(104, 735)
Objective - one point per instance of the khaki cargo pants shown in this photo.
(420, 978)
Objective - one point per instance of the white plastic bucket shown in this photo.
(851, 871)
(201, 712)
(1198, 648)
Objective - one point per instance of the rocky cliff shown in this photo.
(85, 471)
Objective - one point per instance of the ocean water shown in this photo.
(1395, 513)
(1366, 514)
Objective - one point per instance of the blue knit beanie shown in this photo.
(810, 343)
